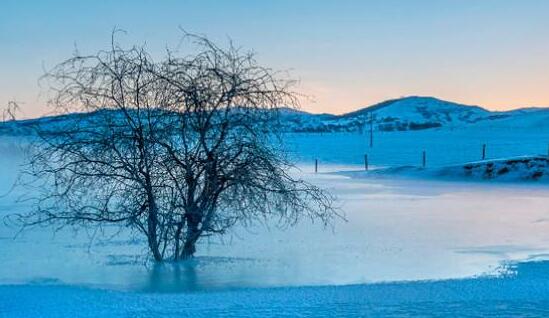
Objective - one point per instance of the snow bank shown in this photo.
(535, 168)
(521, 168)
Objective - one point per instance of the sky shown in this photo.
(345, 54)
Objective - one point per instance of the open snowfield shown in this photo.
(443, 147)
(409, 246)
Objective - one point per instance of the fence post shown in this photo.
(316, 165)
(424, 159)
(483, 151)
(366, 162)
(371, 129)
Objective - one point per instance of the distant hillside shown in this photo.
(414, 113)
(417, 113)
(403, 114)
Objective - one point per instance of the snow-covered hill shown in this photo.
(417, 113)
(403, 114)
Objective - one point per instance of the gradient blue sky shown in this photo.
(346, 54)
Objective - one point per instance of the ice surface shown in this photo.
(396, 230)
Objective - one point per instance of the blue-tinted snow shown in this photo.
(397, 230)
(522, 294)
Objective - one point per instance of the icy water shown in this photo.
(398, 230)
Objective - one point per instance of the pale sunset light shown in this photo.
(346, 54)
(274, 158)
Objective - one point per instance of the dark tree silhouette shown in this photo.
(9, 113)
(178, 149)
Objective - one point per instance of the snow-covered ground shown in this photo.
(523, 294)
(409, 246)
(443, 147)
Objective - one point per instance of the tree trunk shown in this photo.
(177, 238)
(151, 237)
(192, 235)
(188, 250)
(152, 225)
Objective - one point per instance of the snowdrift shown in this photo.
(521, 168)
(517, 168)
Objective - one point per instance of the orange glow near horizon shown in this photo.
(323, 99)
(345, 54)
(338, 100)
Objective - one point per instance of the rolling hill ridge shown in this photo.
(402, 114)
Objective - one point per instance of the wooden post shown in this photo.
(424, 159)
(483, 151)
(366, 162)
(371, 129)
(316, 165)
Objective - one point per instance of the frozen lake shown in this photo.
(396, 230)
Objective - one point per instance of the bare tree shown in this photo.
(9, 114)
(176, 150)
